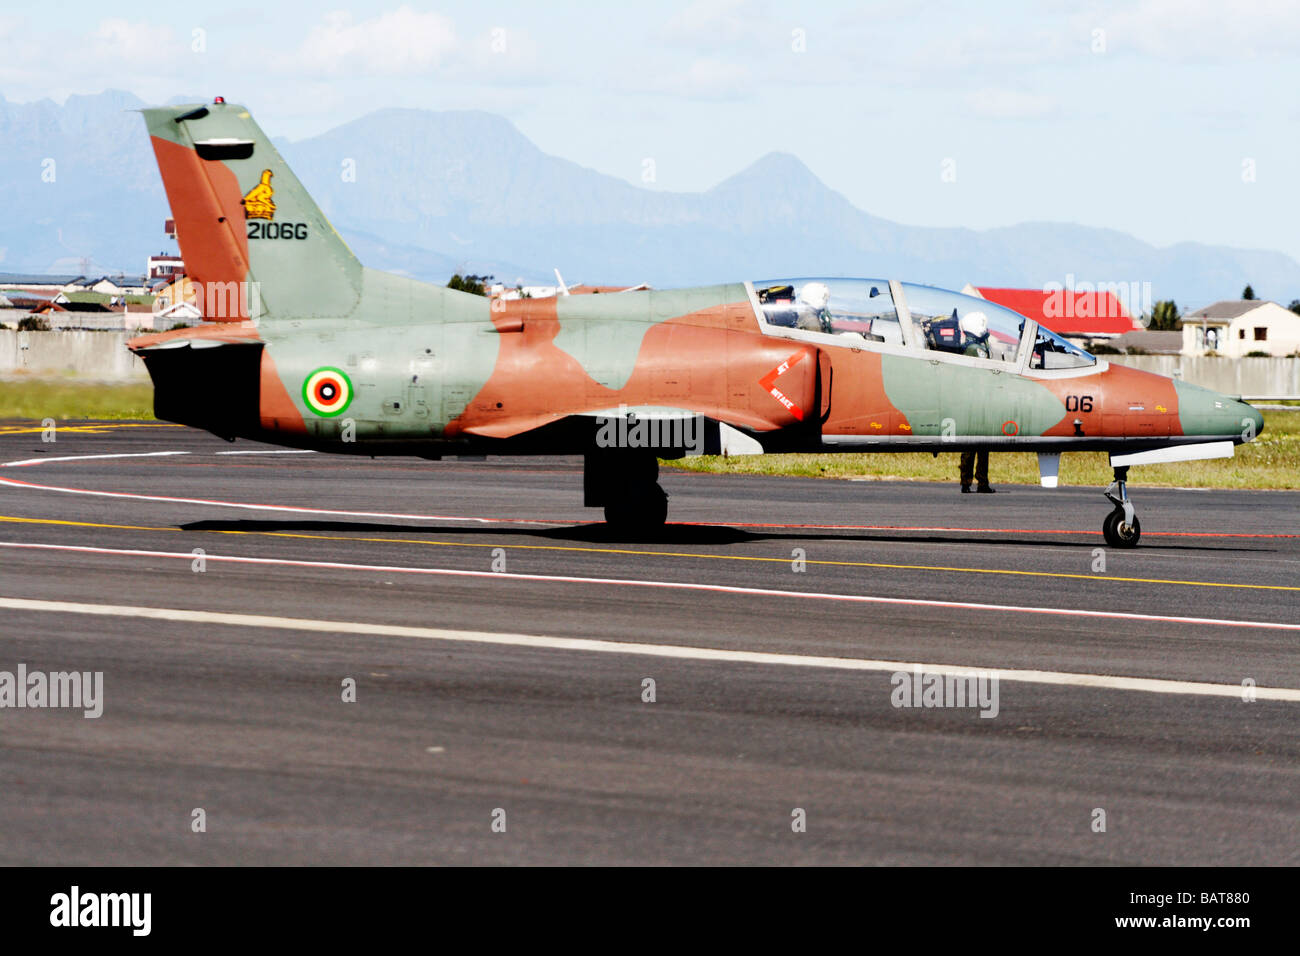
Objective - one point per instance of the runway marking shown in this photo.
(274, 451)
(899, 527)
(86, 428)
(1153, 685)
(135, 454)
(644, 583)
(539, 521)
(15, 519)
(291, 509)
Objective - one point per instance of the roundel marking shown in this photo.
(1010, 428)
(327, 391)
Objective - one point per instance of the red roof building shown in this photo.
(1067, 311)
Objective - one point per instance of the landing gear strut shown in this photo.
(625, 482)
(1121, 527)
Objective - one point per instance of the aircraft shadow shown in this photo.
(670, 534)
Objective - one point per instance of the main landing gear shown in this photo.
(626, 483)
(1121, 527)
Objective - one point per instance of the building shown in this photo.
(1083, 317)
(164, 266)
(37, 283)
(80, 302)
(1237, 327)
(177, 300)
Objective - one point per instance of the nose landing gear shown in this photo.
(625, 483)
(1121, 527)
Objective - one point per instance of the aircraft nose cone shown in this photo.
(1215, 415)
(1252, 415)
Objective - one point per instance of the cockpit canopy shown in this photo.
(922, 318)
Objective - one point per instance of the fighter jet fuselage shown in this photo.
(305, 347)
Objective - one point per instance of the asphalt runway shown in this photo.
(500, 637)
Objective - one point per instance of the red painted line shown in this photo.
(664, 585)
(899, 527)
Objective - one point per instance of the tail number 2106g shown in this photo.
(258, 229)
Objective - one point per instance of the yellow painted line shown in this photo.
(669, 554)
(89, 429)
(15, 519)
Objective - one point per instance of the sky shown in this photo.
(1171, 120)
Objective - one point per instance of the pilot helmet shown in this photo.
(815, 295)
(975, 324)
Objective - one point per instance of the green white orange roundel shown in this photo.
(327, 392)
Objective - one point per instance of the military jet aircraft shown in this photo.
(305, 347)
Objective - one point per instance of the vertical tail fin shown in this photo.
(247, 228)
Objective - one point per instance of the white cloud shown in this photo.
(117, 40)
(9, 26)
(708, 79)
(710, 24)
(993, 103)
(117, 53)
(399, 42)
(1201, 29)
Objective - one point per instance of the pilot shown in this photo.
(975, 336)
(811, 306)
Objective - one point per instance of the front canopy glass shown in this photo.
(1052, 351)
(962, 324)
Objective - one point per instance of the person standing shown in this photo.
(975, 336)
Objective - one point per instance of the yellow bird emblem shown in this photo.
(258, 204)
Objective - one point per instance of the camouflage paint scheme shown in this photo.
(431, 371)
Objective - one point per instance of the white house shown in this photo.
(1235, 327)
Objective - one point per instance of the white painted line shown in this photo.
(1150, 685)
(290, 509)
(277, 451)
(666, 585)
(45, 461)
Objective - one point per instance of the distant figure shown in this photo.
(975, 336)
(976, 462)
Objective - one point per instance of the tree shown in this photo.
(475, 285)
(1248, 293)
(1164, 316)
(1295, 306)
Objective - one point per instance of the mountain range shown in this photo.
(429, 193)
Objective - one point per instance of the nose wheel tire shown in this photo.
(643, 508)
(1118, 532)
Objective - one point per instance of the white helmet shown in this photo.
(815, 295)
(975, 324)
